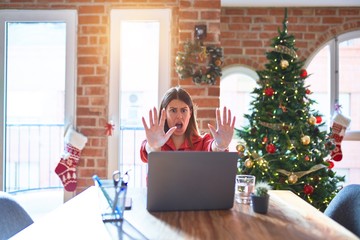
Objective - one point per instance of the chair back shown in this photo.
(13, 217)
(345, 208)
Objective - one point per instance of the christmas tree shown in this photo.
(283, 143)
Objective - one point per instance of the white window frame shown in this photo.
(70, 18)
(236, 69)
(118, 15)
(350, 135)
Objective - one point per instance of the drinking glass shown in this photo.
(245, 185)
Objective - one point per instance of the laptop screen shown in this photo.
(191, 180)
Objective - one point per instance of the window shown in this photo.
(334, 70)
(236, 86)
(140, 75)
(38, 65)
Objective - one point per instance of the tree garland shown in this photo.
(188, 63)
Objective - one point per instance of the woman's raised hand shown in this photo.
(224, 131)
(155, 134)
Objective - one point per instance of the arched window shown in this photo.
(334, 82)
(236, 86)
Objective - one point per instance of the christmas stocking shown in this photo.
(340, 123)
(66, 168)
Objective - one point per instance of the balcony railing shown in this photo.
(32, 153)
(131, 139)
(34, 150)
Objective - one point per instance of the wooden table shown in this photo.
(289, 217)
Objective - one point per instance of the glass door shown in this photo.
(36, 87)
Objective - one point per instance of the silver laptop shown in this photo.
(191, 180)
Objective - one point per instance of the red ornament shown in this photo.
(307, 91)
(308, 189)
(307, 158)
(109, 128)
(269, 91)
(265, 139)
(318, 119)
(331, 164)
(270, 148)
(303, 73)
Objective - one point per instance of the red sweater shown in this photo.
(200, 143)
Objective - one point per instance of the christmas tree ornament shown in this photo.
(312, 120)
(303, 73)
(249, 163)
(305, 140)
(240, 148)
(318, 119)
(283, 108)
(292, 178)
(316, 131)
(307, 158)
(269, 91)
(253, 130)
(307, 91)
(66, 168)
(264, 140)
(284, 64)
(278, 111)
(331, 164)
(308, 189)
(339, 126)
(270, 148)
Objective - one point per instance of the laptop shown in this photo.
(191, 180)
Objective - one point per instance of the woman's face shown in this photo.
(178, 114)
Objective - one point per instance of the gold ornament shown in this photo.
(240, 148)
(305, 140)
(293, 178)
(284, 64)
(249, 163)
(312, 120)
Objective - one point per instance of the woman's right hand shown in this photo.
(155, 134)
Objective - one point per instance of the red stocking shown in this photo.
(66, 168)
(339, 126)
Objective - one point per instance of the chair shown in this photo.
(345, 208)
(13, 217)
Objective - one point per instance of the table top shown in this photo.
(288, 217)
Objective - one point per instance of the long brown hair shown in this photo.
(182, 95)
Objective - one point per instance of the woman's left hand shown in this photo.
(224, 132)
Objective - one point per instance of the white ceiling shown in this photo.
(290, 3)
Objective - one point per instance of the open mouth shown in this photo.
(178, 125)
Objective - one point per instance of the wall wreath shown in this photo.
(202, 63)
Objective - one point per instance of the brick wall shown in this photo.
(244, 33)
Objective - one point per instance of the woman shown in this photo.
(175, 129)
